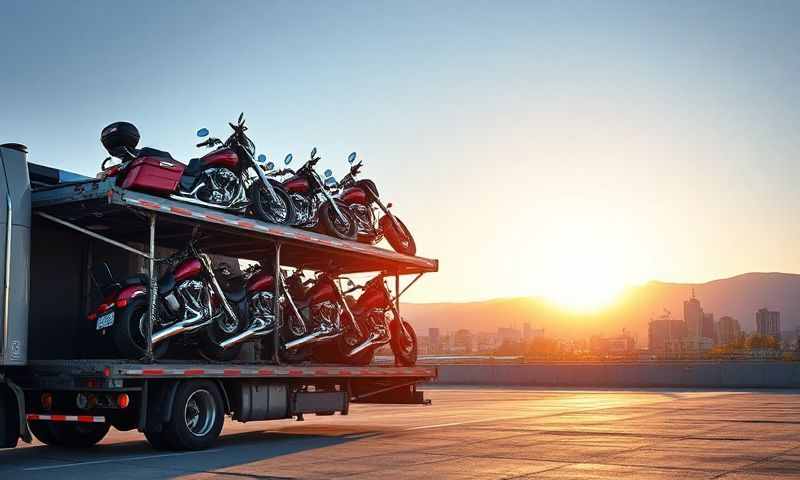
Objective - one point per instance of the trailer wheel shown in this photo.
(197, 416)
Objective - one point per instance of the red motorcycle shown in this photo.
(379, 324)
(315, 207)
(220, 179)
(190, 301)
(363, 202)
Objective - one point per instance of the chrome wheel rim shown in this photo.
(200, 413)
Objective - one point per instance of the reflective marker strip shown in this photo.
(291, 372)
(66, 418)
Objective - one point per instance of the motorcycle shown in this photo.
(361, 198)
(219, 179)
(189, 301)
(313, 312)
(379, 322)
(315, 207)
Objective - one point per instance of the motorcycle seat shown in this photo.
(194, 167)
(237, 295)
(165, 284)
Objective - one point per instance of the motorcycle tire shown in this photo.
(331, 224)
(127, 335)
(402, 241)
(262, 203)
(404, 349)
(211, 337)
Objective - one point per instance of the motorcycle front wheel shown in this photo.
(401, 239)
(279, 210)
(346, 228)
(128, 335)
(220, 329)
(404, 343)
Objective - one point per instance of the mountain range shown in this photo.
(738, 297)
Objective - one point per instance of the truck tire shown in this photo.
(198, 412)
(9, 418)
(157, 440)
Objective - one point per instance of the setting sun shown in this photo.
(586, 269)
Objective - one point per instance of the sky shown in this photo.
(562, 149)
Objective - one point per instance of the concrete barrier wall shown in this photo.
(644, 374)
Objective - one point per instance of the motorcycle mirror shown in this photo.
(331, 182)
(269, 166)
(328, 172)
(351, 158)
(313, 152)
(203, 132)
(262, 158)
(241, 118)
(288, 159)
(389, 205)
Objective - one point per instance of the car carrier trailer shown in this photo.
(54, 378)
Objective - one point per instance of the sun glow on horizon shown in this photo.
(587, 268)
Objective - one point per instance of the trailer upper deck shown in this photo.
(101, 207)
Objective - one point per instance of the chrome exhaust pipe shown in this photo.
(316, 337)
(258, 328)
(180, 327)
(374, 339)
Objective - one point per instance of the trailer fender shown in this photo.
(12, 414)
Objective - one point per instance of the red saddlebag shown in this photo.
(153, 174)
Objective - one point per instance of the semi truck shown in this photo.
(59, 384)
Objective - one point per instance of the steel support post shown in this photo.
(397, 294)
(276, 308)
(152, 288)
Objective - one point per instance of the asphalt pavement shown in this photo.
(475, 433)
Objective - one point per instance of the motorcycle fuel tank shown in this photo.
(374, 296)
(297, 185)
(323, 291)
(221, 158)
(260, 282)
(354, 195)
(188, 269)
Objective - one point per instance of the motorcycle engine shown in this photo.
(192, 294)
(222, 186)
(261, 307)
(304, 208)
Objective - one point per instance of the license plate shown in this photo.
(105, 320)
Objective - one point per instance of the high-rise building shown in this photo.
(664, 334)
(526, 331)
(699, 326)
(693, 316)
(728, 330)
(768, 322)
(708, 326)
